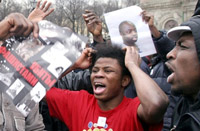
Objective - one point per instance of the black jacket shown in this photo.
(159, 73)
(187, 115)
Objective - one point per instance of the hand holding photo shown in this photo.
(128, 29)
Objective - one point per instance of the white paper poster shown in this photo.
(127, 28)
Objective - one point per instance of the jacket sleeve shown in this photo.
(76, 81)
(34, 120)
(163, 45)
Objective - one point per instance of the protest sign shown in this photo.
(126, 28)
(29, 66)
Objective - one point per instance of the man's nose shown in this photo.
(99, 74)
(171, 54)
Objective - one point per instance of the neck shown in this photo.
(192, 98)
(112, 103)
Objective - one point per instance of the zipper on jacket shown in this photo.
(193, 117)
(173, 128)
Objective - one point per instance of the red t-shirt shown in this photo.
(80, 112)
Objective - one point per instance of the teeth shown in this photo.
(97, 83)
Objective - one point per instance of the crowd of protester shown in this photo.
(115, 89)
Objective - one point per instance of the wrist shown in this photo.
(131, 65)
(5, 27)
(98, 38)
(154, 31)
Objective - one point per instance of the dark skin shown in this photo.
(16, 24)
(153, 105)
(94, 25)
(148, 113)
(149, 19)
(184, 80)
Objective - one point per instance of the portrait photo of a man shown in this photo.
(129, 29)
(128, 32)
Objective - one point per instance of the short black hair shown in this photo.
(110, 51)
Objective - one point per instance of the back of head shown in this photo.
(110, 51)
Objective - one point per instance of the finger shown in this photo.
(142, 13)
(38, 4)
(19, 24)
(88, 11)
(86, 15)
(24, 28)
(49, 12)
(91, 21)
(93, 17)
(43, 5)
(29, 28)
(47, 7)
(35, 30)
(91, 51)
(89, 59)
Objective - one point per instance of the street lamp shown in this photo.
(33, 4)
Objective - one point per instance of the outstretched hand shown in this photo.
(16, 24)
(94, 24)
(40, 13)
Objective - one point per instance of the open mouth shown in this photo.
(99, 87)
(170, 78)
(169, 67)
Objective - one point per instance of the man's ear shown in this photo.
(126, 80)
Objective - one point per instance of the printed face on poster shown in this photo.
(30, 66)
(126, 28)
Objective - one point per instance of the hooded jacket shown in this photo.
(187, 112)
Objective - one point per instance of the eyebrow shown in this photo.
(105, 67)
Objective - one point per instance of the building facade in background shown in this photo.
(169, 13)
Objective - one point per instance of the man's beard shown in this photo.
(176, 92)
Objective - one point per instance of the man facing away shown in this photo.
(184, 63)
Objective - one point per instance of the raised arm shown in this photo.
(40, 13)
(94, 25)
(153, 100)
(16, 24)
(162, 43)
(149, 19)
(83, 62)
